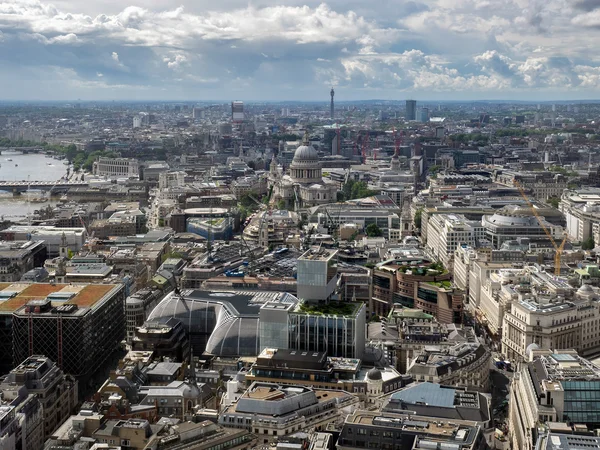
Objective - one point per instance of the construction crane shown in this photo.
(558, 248)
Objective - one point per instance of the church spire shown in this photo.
(306, 140)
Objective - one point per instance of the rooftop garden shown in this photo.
(441, 284)
(437, 268)
(328, 309)
(215, 222)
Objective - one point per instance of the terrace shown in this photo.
(328, 309)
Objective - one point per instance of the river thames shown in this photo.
(33, 167)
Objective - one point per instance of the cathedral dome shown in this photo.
(306, 154)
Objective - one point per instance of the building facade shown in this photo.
(116, 167)
(40, 376)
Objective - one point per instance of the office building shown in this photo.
(58, 320)
(116, 167)
(564, 440)
(317, 274)
(164, 339)
(317, 370)
(171, 179)
(272, 411)
(552, 386)
(337, 215)
(221, 323)
(446, 232)
(237, 111)
(446, 402)
(335, 328)
(507, 225)
(463, 365)
(549, 320)
(582, 213)
(19, 257)
(414, 281)
(71, 238)
(411, 110)
(137, 308)
(21, 423)
(40, 376)
(377, 430)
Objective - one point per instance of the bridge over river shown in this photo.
(54, 187)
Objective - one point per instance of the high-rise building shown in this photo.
(411, 110)
(237, 111)
(59, 320)
(332, 111)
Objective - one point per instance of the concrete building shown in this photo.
(21, 422)
(116, 167)
(463, 365)
(115, 226)
(317, 275)
(171, 179)
(19, 257)
(506, 226)
(582, 213)
(413, 281)
(552, 386)
(446, 402)
(408, 333)
(137, 308)
(272, 411)
(167, 339)
(446, 232)
(317, 370)
(52, 237)
(376, 430)
(551, 320)
(40, 376)
(344, 214)
(58, 320)
(542, 185)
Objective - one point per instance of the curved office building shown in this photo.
(219, 323)
(503, 226)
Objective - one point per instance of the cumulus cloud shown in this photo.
(456, 47)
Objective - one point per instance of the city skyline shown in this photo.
(433, 50)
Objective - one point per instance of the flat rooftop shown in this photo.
(16, 295)
(317, 254)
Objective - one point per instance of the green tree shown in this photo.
(246, 201)
(373, 230)
(418, 219)
(588, 244)
(71, 152)
(553, 201)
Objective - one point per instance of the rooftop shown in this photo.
(15, 295)
(328, 309)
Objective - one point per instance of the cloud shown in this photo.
(438, 48)
(587, 5)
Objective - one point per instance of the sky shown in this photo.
(198, 50)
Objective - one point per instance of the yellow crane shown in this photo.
(558, 248)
